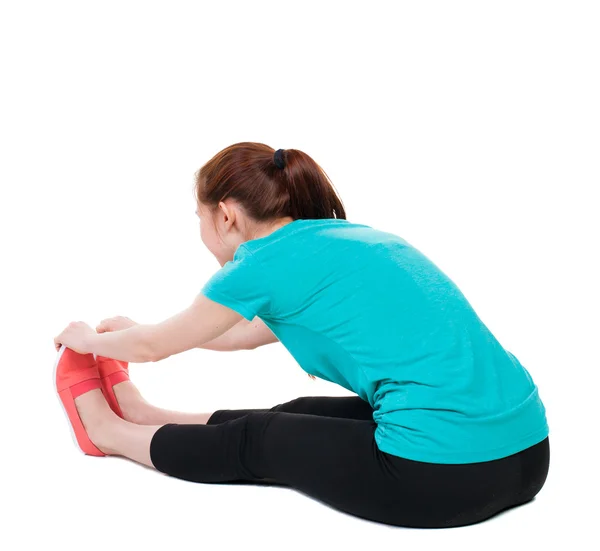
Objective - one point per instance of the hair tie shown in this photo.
(278, 158)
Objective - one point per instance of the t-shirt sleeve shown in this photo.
(239, 285)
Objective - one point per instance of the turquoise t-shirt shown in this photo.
(365, 309)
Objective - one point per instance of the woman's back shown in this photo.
(365, 309)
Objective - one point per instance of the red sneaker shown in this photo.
(75, 374)
(112, 372)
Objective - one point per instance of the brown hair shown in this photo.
(246, 172)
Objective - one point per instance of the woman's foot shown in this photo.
(98, 419)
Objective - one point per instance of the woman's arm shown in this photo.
(203, 321)
(244, 335)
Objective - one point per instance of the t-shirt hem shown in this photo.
(461, 457)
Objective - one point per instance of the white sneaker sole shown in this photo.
(62, 406)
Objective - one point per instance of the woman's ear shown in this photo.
(229, 215)
(226, 215)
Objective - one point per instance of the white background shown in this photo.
(471, 129)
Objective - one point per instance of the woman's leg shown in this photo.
(334, 460)
(337, 461)
(346, 407)
(137, 410)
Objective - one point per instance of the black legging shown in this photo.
(324, 446)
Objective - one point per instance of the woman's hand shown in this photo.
(77, 336)
(118, 323)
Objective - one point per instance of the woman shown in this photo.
(446, 428)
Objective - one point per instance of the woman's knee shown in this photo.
(297, 405)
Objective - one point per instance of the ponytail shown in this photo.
(310, 190)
